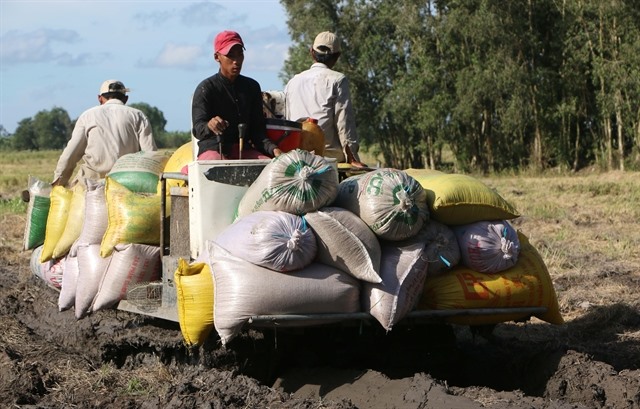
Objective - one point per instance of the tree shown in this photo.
(25, 137)
(155, 116)
(5, 139)
(52, 128)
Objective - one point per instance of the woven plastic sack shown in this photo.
(75, 219)
(277, 240)
(67, 297)
(96, 217)
(133, 218)
(194, 293)
(346, 242)
(403, 269)
(456, 199)
(296, 182)
(243, 290)
(56, 220)
(130, 264)
(488, 247)
(390, 202)
(37, 213)
(140, 171)
(51, 271)
(91, 268)
(441, 247)
(178, 160)
(527, 284)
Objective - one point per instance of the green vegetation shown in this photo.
(468, 86)
(52, 129)
(503, 84)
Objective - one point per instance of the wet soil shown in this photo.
(115, 359)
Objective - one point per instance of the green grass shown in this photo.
(16, 167)
(13, 205)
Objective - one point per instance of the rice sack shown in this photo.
(296, 182)
(391, 203)
(277, 240)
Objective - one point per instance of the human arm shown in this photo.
(351, 159)
(346, 124)
(145, 135)
(71, 154)
(207, 124)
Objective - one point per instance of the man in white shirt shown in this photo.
(103, 134)
(323, 94)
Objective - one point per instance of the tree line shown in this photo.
(475, 85)
(51, 130)
(495, 84)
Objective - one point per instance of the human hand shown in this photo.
(277, 152)
(217, 125)
(357, 164)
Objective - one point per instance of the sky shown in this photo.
(57, 53)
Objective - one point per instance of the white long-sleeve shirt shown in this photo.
(323, 94)
(103, 134)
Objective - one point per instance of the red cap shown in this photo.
(225, 40)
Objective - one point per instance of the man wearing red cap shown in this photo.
(224, 101)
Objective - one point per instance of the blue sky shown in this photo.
(56, 53)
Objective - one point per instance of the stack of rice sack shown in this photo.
(385, 242)
(302, 244)
(498, 266)
(103, 238)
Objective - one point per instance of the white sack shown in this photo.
(295, 182)
(346, 242)
(403, 270)
(51, 271)
(391, 203)
(488, 246)
(67, 297)
(441, 250)
(91, 268)
(243, 290)
(130, 264)
(277, 240)
(37, 213)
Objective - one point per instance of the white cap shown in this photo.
(326, 43)
(113, 86)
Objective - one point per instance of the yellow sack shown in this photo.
(527, 284)
(133, 218)
(75, 220)
(56, 220)
(456, 199)
(194, 292)
(178, 160)
(140, 171)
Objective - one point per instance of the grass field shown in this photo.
(586, 226)
(572, 219)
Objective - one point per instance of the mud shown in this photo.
(115, 359)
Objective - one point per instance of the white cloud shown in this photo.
(176, 56)
(18, 47)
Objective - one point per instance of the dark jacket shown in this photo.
(237, 102)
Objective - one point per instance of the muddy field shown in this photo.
(114, 359)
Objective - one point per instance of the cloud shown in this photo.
(175, 56)
(17, 47)
(202, 14)
(154, 19)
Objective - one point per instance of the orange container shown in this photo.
(312, 137)
(286, 134)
